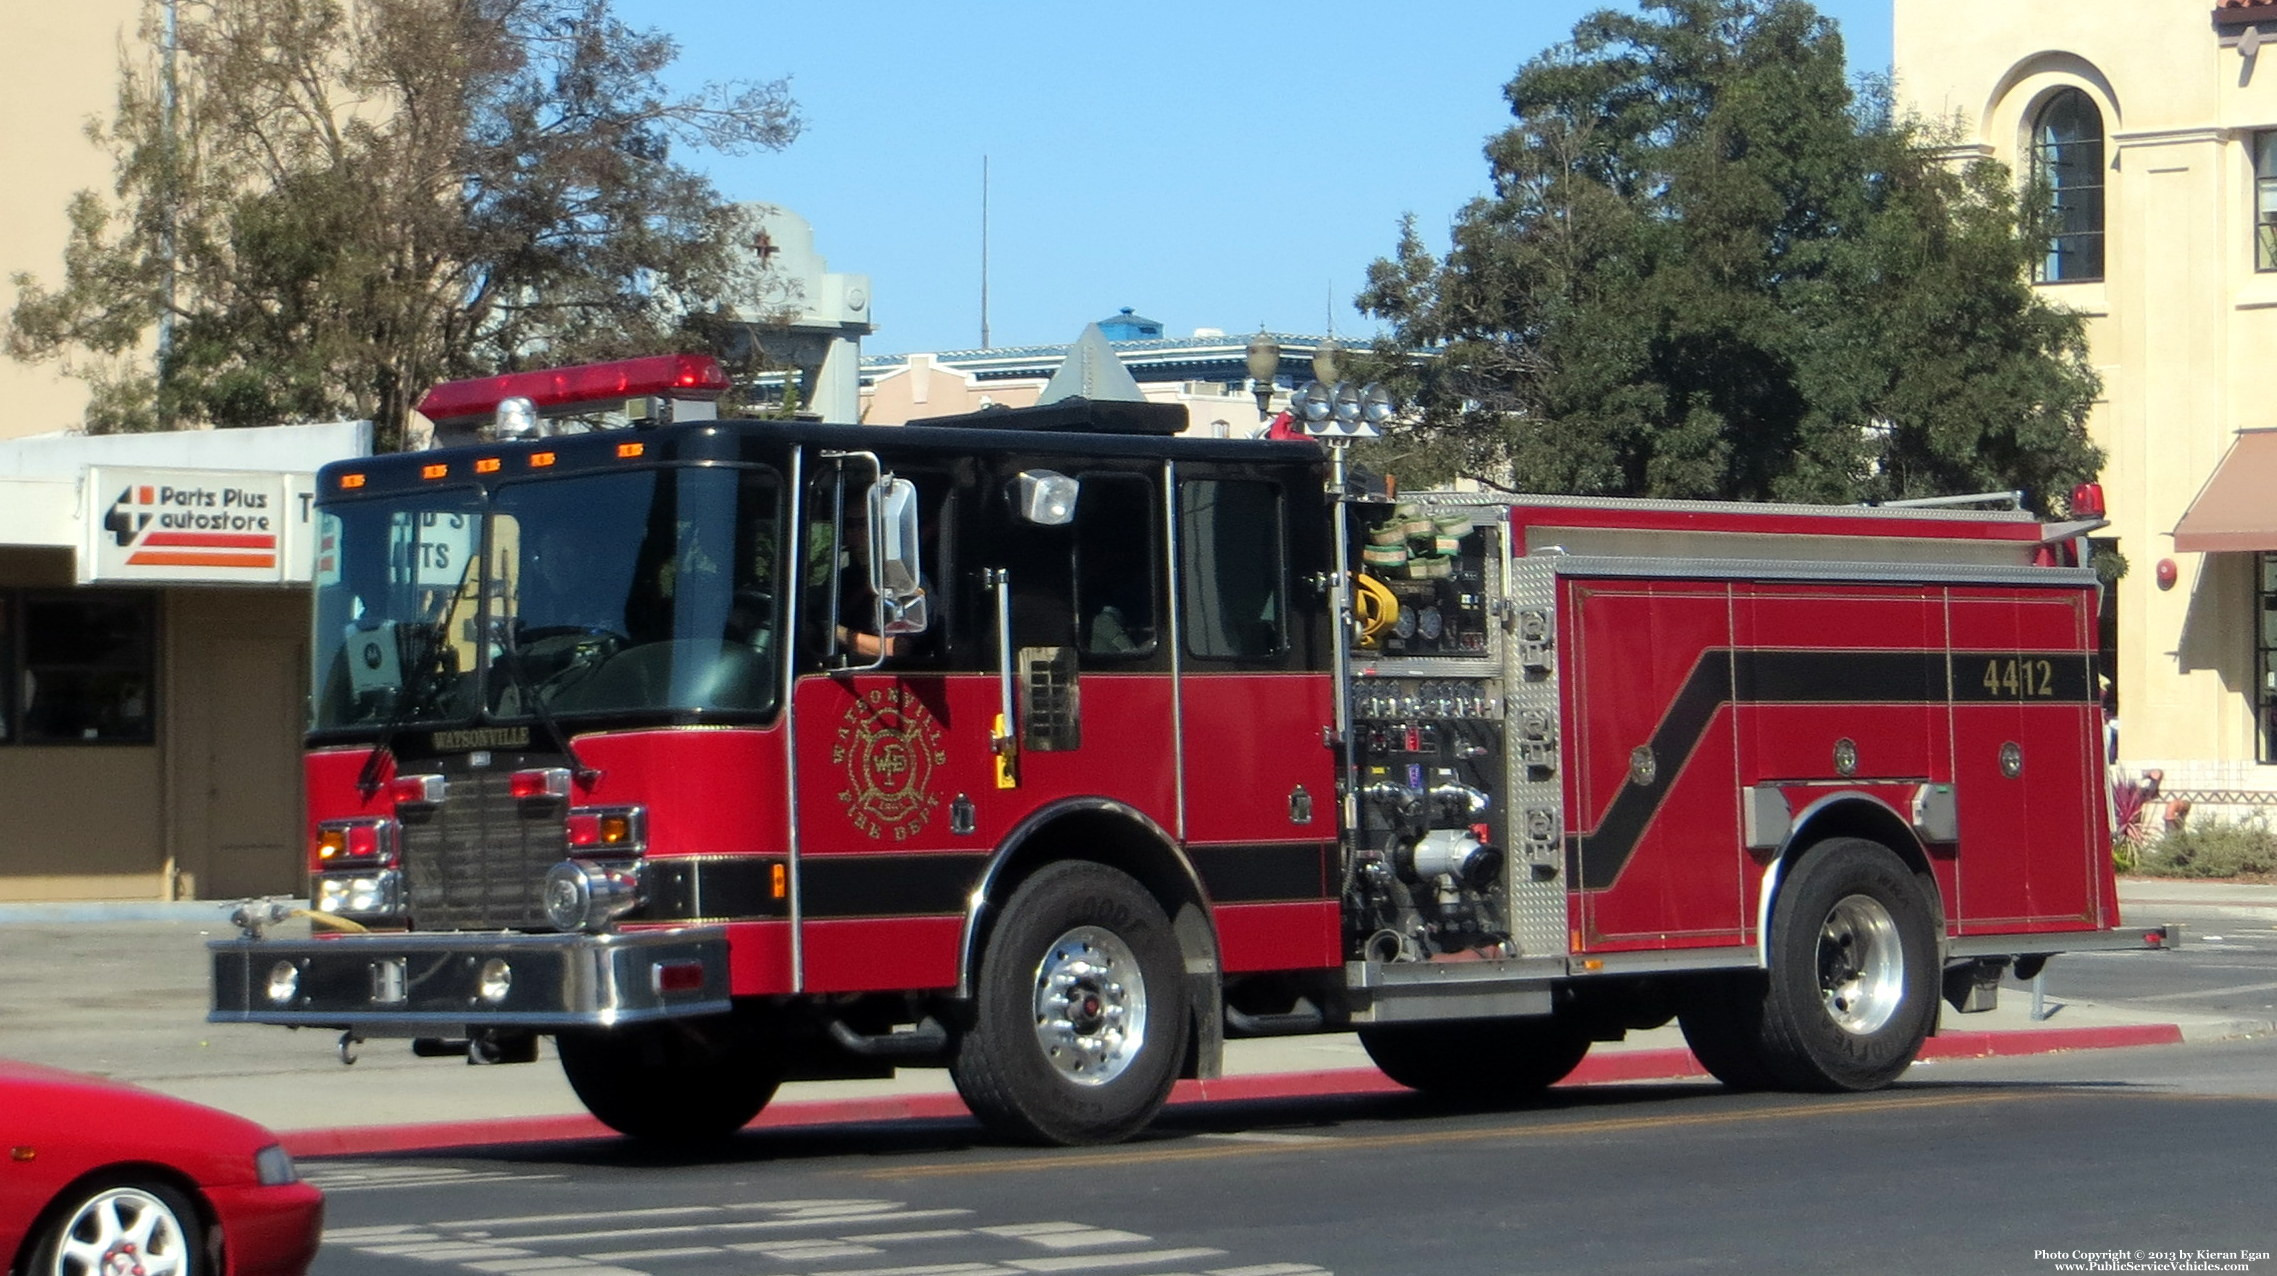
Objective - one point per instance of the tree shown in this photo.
(348, 200)
(1708, 268)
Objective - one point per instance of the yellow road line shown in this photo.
(1164, 1154)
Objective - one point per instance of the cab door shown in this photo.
(891, 740)
(1256, 715)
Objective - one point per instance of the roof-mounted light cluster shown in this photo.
(1345, 410)
(656, 390)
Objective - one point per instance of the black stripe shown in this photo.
(887, 885)
(1268, 871)
(739, 889)
(1602, 853)
(1838, 677)
(742, 888)
(1724, 675)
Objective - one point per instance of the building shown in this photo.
(153, 639)
(2152, 127)
(1207, 372)
(63, 70)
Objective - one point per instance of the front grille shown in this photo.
(478, 859)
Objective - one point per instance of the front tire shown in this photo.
(1079, 1019)
(147, 1228)
(671, 1082)
(1852, 989)
(1478, 1061)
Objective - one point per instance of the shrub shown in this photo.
(2128, 797)
(2211, 848)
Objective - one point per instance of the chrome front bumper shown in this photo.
(449, 984)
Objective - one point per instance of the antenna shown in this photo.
(984, 252)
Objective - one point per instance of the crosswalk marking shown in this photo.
(816, 1236)
(1066, 1235)
(362, 1176)
(1108, 1262)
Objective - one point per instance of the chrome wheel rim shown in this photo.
(1861, 967)
(1090, 1006)
(123, 1232)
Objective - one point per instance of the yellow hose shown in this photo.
(330, 921)
(1374, 607)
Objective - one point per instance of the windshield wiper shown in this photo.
(544, 714)
(418, 677)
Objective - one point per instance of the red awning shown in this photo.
(2237, 509)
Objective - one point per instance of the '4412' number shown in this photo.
(2020, 677)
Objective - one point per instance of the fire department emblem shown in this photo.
(889, 744)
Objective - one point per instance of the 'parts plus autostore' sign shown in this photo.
(218, 526)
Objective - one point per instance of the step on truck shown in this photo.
(1057, 748)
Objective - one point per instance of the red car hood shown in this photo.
(104, 1120)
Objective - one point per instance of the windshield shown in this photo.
(630, 592)
(397, 589)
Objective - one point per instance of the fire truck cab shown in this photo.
(1055, 749)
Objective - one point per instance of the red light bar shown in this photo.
(676, 376)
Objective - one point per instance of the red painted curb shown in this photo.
(1980, 1045)
(1607, 1068)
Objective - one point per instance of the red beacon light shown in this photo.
(2087, 501)
(691, 383)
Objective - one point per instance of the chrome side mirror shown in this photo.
(895, 556)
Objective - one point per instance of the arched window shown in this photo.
(2067, 168)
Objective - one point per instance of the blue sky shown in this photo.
(1209, 165)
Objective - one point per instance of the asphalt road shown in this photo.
(1985, 1166)
(2226, 966)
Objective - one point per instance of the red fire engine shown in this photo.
(1054, 749)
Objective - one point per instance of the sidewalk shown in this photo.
(126, 997)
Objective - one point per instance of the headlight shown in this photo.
(273, 1166)
(372, 893)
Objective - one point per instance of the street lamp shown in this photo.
(1324, 358)
(1264, 365)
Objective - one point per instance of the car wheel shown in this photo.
(144, 1228)
(1079, 1019)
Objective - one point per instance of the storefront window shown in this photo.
(2265, 657)
(80, 668)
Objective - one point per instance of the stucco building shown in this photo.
(63, 70)
(2152, 127)
(1206, 373)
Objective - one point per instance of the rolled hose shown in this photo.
(1374, 608)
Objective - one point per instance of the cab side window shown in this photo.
(1115, 566)
(1234, 592)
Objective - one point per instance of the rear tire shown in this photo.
(671, 1082)
(1723, 1025)
(1478, 1061)
(1079, 1017)
(1852, 989)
